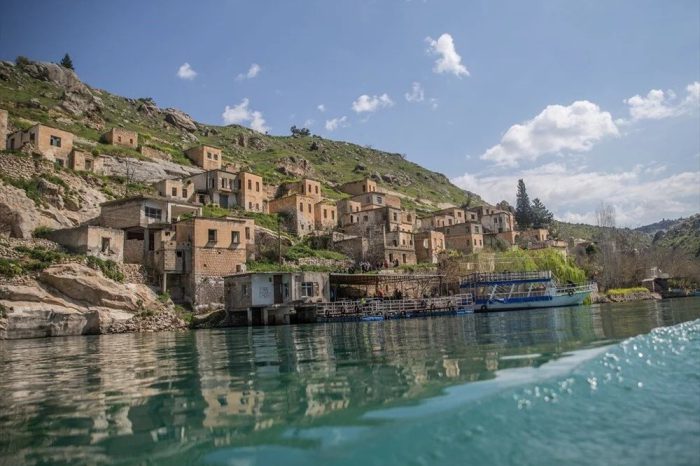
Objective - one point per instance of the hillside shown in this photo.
(683, 234)
(47, 93)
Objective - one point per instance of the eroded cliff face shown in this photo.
(73, 299)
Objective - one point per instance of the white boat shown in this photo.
(500, 291)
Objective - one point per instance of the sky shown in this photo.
(587, 101)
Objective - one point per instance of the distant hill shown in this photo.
(683, 234)
(47, 93)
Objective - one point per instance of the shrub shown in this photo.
(109, 268)
(626, 291)
(164, 297)
(42, 232)
(10, 268)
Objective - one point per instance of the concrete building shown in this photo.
(92, 240)
(3, 129)
(225, 188)
(429, 245)
(268, 298)
(206, 157)
(52, 143)
(190, 257)
(140, 217)
(121, 137)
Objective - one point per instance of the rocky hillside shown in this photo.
(682, 234)
(48, 93)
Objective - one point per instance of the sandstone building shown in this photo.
(206, 157)
(92, 240)
(121, 137)
(306, 209)
(52, 143)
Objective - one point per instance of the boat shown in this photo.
(501, 291)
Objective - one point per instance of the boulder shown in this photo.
(179, 119)
(65, 78)
(18, 215)
(146, 171)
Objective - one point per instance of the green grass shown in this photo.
(626, 291)
(41, 232)
(303, 250)
(109, 268)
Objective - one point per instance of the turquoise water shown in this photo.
(616, 384)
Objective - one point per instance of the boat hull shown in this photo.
(576, 299)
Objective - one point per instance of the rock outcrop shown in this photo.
(145, 171)
(179, 119)
(73, 299)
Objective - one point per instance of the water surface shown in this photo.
(586, 385)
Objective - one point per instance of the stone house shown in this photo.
(429, 245)
(190, 257)
(325, 215)
(121, 137)
(3, 129)
(225, 188)
(92, 240)
(444, 217)
(85, 161)
(269, 298)
(206, 157)
(466, 238)
(140, 217)
(356, 188)
(306, 187)
(299, 210)
(52, 143)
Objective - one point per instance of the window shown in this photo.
(32, 137)
(310, 191)
(119, 139)
(223, 182)
(250, 184)
(409, 218)
(332, 214)
(174, 192)
(316, 189)
(403, 257)
(238, 268)
(211, 236)
(152, 212)
(257, 186)
(309, 208)
(474, 242)
(308, 289)
(325, 213)
(352, 219)
(476, 229)
(184, 193)
(55, 141)
(201, 198)
(449, 220)
(395, 217)
(366, 218)
(379, 200)
(105, 245)
(216, 156)
(209, 155)
(235, 237)
(88, 165)
(244, 290)
(459, 214)
(301, 207)
(131, 141)
(247, 232)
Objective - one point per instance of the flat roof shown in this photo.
(144, 197)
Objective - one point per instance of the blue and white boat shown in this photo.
(501, 291)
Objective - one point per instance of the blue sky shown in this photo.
(543, 90)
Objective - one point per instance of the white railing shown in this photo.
(569, 290)
(508, 276)
(393, 307)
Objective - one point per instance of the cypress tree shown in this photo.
(66, 62)
(523, 209)
(541, 217)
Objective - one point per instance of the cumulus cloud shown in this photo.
(416, 93)
(251, 73)
(186, 72)
(365, 103)
(321, 108)
(658, 104)
(576, 127)
(449, 60)
(640, 195)
(335, 123)
(242, 114)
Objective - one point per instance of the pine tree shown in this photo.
(523, 209)
(541, 217)
(66, 62)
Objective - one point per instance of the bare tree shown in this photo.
(605, 217)
(130, 174)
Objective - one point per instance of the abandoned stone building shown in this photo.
(121, 137)
(3, 129)
(466, 238)
(190, 257)
(305, 208)
(92, 240)
(140, 217)
(206, 157)
(52, 143)
(429, 245)
(85, 161)
(445, 217)
(355, 188)
(269, 298)
(225, 188)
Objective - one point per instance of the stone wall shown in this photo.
(122, 137)
(3, 129)
(153, 153)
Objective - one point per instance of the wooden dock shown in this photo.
(381, 309)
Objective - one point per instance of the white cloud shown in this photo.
(240, 114)
(416, 94)
(572, 192)
(335, 123)
(658, 104)
(321, 108)
(186, 72)
(449, 60)
(434, 103)
(576, 127)
(308, 123)
(365, 103)
(251, 73)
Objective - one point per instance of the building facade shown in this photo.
(92, 240)
(121, 137)
(206, 157)
(52, 143)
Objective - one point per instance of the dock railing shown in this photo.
(485, 277)
(570, 289)
(389, 308)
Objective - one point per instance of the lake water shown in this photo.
(613, 384)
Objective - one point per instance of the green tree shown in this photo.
(66, 62)
(541, 217)
(523, 209)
